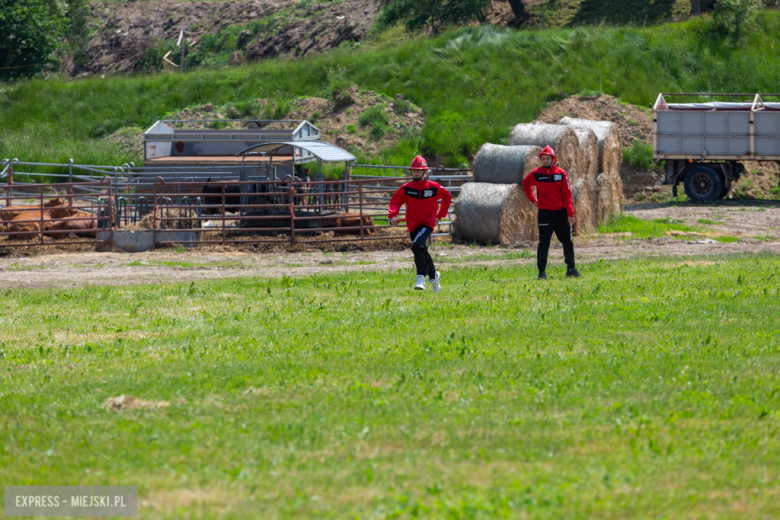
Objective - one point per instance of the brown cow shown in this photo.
(353, 220)
(80, 224)
(30, 221)
(10, 212)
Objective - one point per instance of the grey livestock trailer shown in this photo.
(702, 143)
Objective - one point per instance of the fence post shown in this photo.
(70, 171)
(292, 213)
(223, 212)
(9, 192)
(360, 202)
(41, 197)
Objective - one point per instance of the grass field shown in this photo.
(647, 389)
(473, 83)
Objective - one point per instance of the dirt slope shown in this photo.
(339, 126)
(126, 33)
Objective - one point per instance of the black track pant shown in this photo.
(554, 222)
(422, 259)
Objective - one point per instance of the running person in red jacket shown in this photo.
(556, 210)
(422, 201)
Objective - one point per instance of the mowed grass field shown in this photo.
(647, 389)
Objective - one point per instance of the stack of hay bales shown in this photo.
(493, 209)
(609, 187)
(576, 160)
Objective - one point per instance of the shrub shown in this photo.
(640, 155)
(351, 129)
(730, 17)
(377, 120)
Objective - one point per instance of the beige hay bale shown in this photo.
(563, 139)
(609, 197)
(584, 207)
(500, 214)
(496, 164)
(610, 151)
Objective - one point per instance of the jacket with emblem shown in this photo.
(422, 202)
(552, 189)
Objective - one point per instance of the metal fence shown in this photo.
(227, 204)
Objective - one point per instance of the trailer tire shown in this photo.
(703, 184)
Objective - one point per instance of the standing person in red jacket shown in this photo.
(556, 210)
(422, 198)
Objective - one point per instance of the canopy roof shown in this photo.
(316, 150)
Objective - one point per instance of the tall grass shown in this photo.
(473, 83)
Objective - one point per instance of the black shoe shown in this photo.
(573, 273)
(542, 276)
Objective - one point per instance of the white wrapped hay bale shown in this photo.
(563, 139)
(582, 194)
(499, 214)
(496, 164)
(610, 151)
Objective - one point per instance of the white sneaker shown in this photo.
(419, 283)
(436, 282)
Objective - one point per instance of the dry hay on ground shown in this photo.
(563, 139)
(585, 210)
(498, 214)
(496, 164)
(128, 402)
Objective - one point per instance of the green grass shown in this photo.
(646, 389)
(709, 221)
(639, 228)
(510, 255)
(184, 265)
(477, 83)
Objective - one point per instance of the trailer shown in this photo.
(702, 143)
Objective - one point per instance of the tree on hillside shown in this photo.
(695, 7)
(30, 35)
(418, 14)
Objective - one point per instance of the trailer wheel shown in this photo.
(702, 184)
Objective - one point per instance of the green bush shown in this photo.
(731, 17)
(640, 155)
(351, 129)
(377, 120)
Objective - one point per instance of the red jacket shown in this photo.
(552, 187)
(421, 199)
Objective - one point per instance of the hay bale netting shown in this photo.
(499, 214)
(496, 164)
(585, 208)
(563, 139)
(610, 151)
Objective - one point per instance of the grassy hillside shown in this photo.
(473, 83)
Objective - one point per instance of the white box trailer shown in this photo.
(702, 143)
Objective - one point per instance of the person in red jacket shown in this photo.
(556, 210)
(422, 198)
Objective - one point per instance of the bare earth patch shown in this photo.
(128, 402)
(756, 228)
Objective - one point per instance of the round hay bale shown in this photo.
(496, 164)
(584, 207)
(604, 202)
(499, 214)
(563, 139)
(610, 151)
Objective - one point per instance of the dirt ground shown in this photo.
(756, 227)
(125, 31)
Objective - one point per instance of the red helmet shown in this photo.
(549, 151)
(419, 163)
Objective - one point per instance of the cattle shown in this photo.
(81, 224)
(10, 212)
(232, 199)
(28, 223)
(353, 220)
